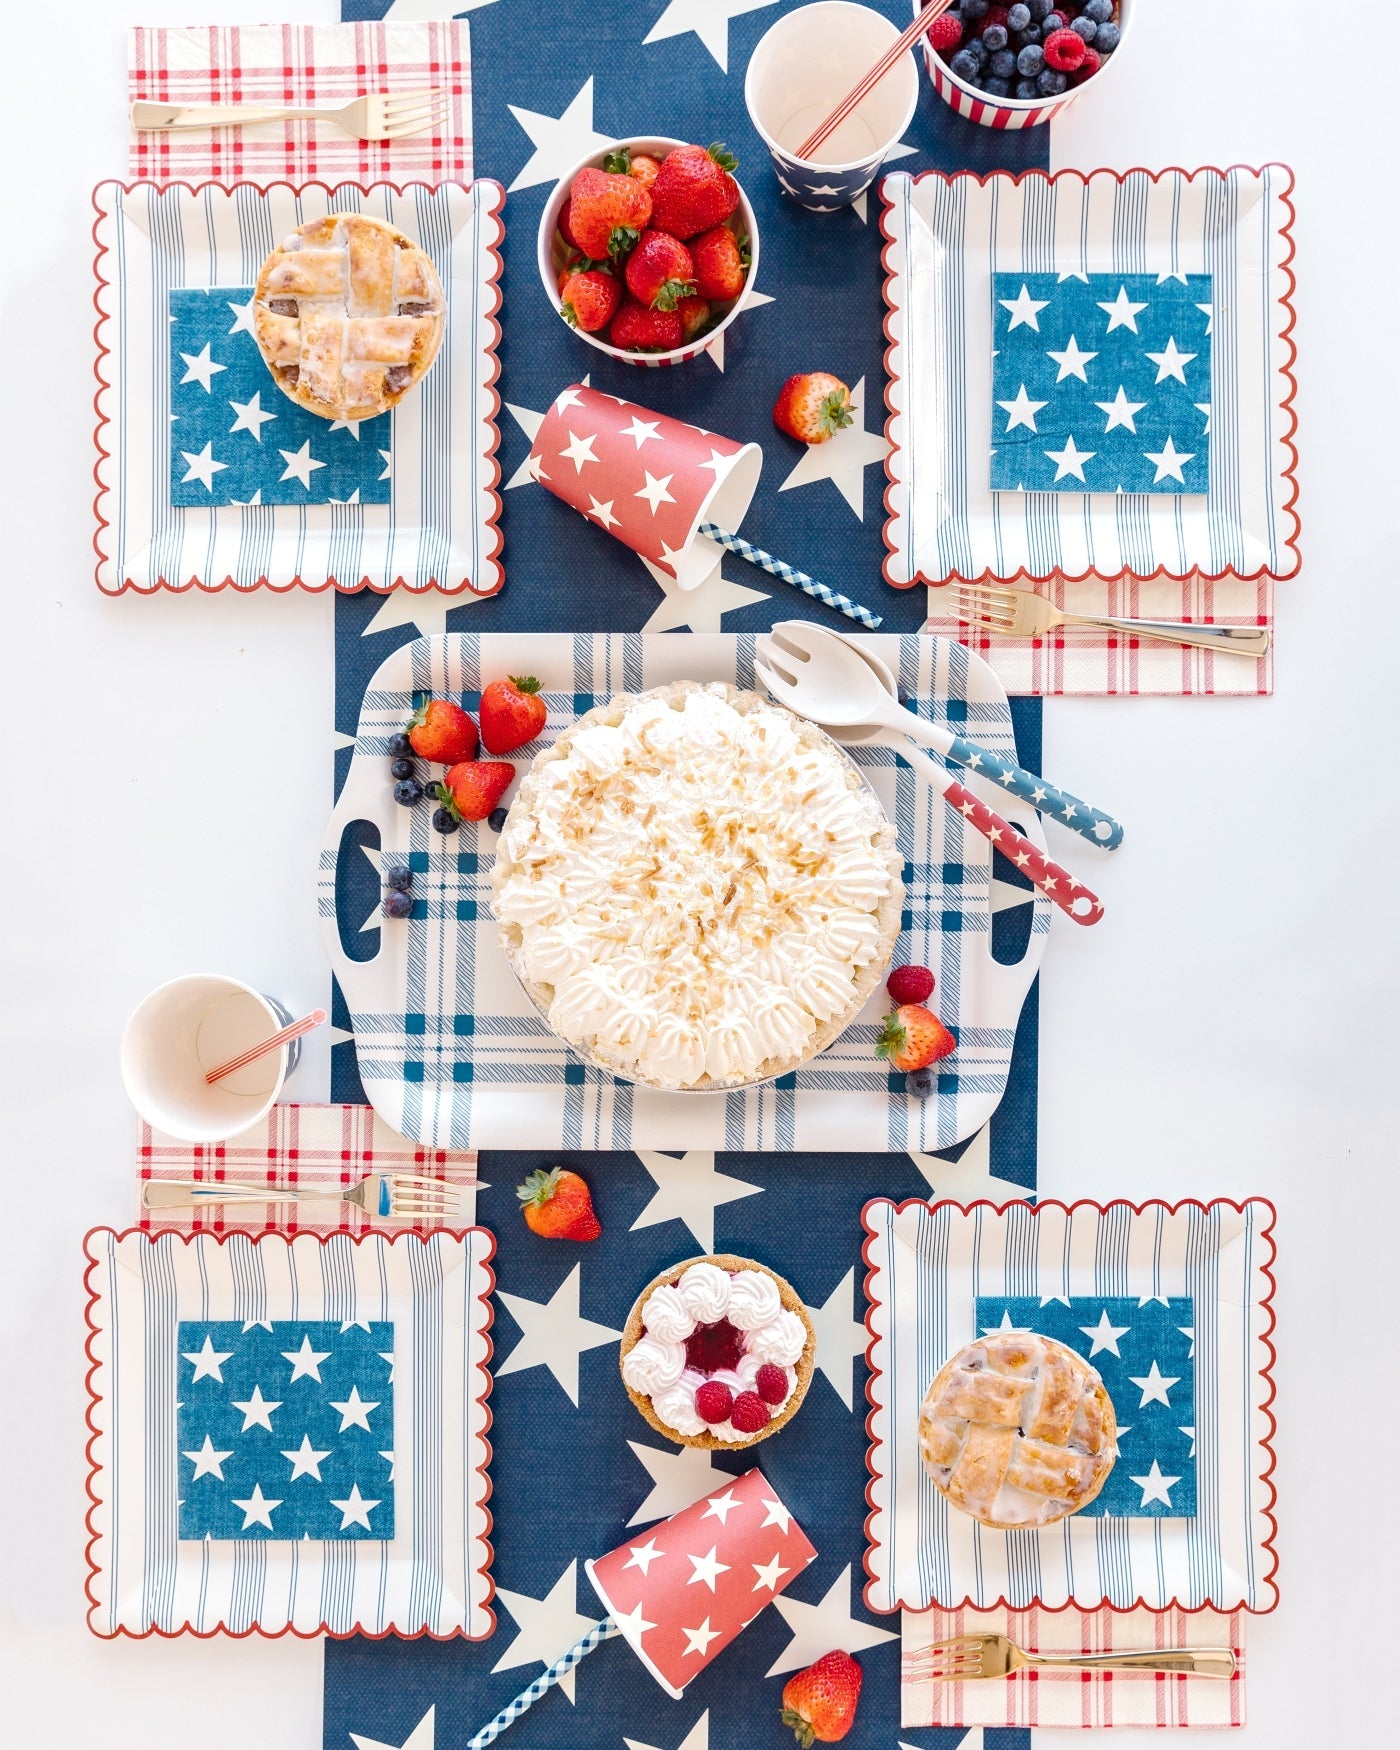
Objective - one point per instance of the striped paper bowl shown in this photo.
(1015, 112)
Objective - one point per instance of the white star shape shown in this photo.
(1156, 1487)
(709, 19)
(842, 459)
(1189, 1332)
(969, 1176)
(1171, 363)
(559, 141)
(1154, 1387)
(257, 1412)
(701, 608)
(251, 417)
(642, 1555)
(1122, 312)
(388, 1458)
(707, 1569)
(1204, 407)
(1005, 1325)
(1023, 309)
(202, 467)
(306, 1361)
(688, 1189)
(579, 450)
(1190, 1434)
(602, 514)
(697, 1738)
(354, 1411)
(544, 1627)
(242, 316)
(257, 1509)
(200, 367)
(774, 1513)
(1208, 311)
(840, 1336)
(387, 471)
(1022, 410)
(678, 1478)
(821, 188)
(354, 1510)
(301, 464)
(642, 431)
(769, 1573)
(306, 1461)
(699, 1639)
(1071, 361)
(553, 1334)
(350, 425)
(420, 1738)
(1169, 461)
(208, 1461)
(1120, 411)
(207, 1361)
(1104, 1335)
(1070, 460)
(720, 1507)
(1175, 274)
(632, 1623)
(654, 492)
(1147, 1300)
(817, 1628)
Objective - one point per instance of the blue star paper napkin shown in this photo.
(1101, 382)
(1145, 1352)
(286, 1430)
(235, 438)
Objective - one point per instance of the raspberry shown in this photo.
(945, 32)
(750, 1413)
(994, 15)
(714, 1401)
(1065, 50)
(909, 984)
(771, 1384)
(1093, 60)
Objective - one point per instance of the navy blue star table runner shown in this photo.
(573, 1464)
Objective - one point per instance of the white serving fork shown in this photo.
(391, 1196)
(382, 115)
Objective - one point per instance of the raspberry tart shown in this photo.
(717, 1352)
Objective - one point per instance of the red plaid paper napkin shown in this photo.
(300, 64)
(1074, 1698)
(302, 1147)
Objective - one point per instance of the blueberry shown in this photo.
(1003, 66)
(399, 746)
(1086, 28)
(408, 792)
(995, 87)
(994, 37)
(921, 1083)
(404, 769)
(398, 877)
(978, 53)
(1108, 38)
(496, 819)
(1026, 88)
(1030, 61)
(972, 10)
(443, 821)
(1052, 21)
(398, 905)
(1101, 11)
(1052, 82)
(965, 66)
(1024, 39)
(1018, 17)
(1039, 8)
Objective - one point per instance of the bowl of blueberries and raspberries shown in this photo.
(1022, 62)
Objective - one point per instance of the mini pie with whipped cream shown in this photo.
(348, 314)
(697, 888)
(1018, 1430)
(718, 1352)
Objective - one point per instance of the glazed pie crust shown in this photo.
(803, 1366)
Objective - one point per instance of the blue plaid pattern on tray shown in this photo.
(223, 400)
(1145, 1351)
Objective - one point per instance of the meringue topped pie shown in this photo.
(348, 314)
(697, 888)
(1018, 1430)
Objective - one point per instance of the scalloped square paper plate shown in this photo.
(926, 1265)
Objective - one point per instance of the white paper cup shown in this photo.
(803, 65)
(1014, 112)
(186, 1028)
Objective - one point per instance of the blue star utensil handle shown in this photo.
(1090, 823)
(600, 1632)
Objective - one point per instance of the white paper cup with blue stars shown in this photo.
(800, 70)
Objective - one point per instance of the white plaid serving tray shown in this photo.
(453, 1053)
(439, 529)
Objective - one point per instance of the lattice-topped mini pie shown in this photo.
(349, 314)
(1018, 1430)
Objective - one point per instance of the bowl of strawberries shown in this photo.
(646, 250)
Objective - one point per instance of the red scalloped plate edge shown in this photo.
(1265, 1233)
(94, 1432)
(1290, 473)
(493, 522)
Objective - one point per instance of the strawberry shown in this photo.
(473, 788)
(588, 299)
(721, 263)
(512, 713)
(820, 1702)
(637, 329)
(441, 731)
(607, 213)
(558, 1205)
(913, 1036)
(693, 190)
(694, 314)
(906, 984)
(564, 227)
(641, 166)
(659, 271)
(812, 406)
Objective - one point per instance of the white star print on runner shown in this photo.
(559, 141)
(1154, 1387)
(1070, 460)
(545, 1627)
(242, 316)
(750, 300)
(1170, 362)
(1169, 461)
(306, 1462)
(306, 1361)
(354, 1510)
(420, 1738)
(689, 1189)
(840, 1336)
(301, 464)
(678, 1478)
(697, 1738)
(1104, 1335)
(709, 19)
(1022, 410)
(817, 1628)
(257, 1411)
(703, 607)
(1071, 361)
(354, 1411)
(200, 367)
(554, 1335)
(842, 459)
(257, 1509)
(207, 1461)
(202, 467)
(1122, 312)
(1120, 411)
(208, 1362)
(1156, 1487)
(251, 417)
(1023, 309)
(970, 1176)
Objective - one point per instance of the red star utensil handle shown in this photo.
(1056, 883)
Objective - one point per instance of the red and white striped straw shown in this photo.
(283, 1037)
(858, 93)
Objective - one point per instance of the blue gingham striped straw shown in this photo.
(789, 574)
(600, 1632)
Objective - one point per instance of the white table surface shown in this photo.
(1230, 1029)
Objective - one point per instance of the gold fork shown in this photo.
(1020, 613)
(387, 115)
(392, 1196)
(976, 1656)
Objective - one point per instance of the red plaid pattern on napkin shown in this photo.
(300, 64)
(1092, 1700)
(301, 1147)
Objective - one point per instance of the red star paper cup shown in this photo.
(684, 1590)
(645, 478)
